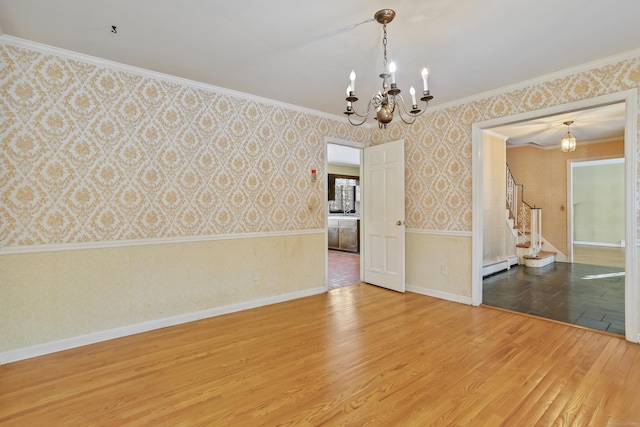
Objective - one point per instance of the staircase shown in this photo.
(526, 224)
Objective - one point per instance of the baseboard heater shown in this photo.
(499, 266)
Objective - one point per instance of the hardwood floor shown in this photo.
(357, 355)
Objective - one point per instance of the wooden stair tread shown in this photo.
(541, 255)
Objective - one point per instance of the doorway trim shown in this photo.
(630, 98)
(325, 193)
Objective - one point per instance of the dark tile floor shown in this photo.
(580, 294)
(344, 269)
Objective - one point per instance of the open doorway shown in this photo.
(628, 281)
(545, 282)
(343, 213)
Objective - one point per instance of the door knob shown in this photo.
(398, 222)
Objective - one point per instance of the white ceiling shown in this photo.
(301, 53)
(589, 125)
(343, 155)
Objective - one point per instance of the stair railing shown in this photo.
(524, 214)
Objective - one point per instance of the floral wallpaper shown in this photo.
(438, 152)
(93, 154)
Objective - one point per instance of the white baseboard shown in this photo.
(439, 294)
(608, 245)
(494, 267)
(498, 266)
(92, 338)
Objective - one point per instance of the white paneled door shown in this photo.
(383, 206)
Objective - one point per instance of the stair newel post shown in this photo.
(536, 238)
(539, 229)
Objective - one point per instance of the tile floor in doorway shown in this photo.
(587, 295)
(344, 269)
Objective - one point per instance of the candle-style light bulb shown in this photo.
(425, 84)
(349, 94)
(412, 91)
(352, 79)
(392, 70)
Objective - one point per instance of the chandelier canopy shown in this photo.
(384, 102)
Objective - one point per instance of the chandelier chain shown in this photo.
(384, 45)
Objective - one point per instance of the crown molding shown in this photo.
(635, 53)
(118, 66)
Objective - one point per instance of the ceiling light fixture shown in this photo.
(569, 141)
(385, 102)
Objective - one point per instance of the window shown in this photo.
(342, 193)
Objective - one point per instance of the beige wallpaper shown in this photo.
(544, 175)
(438, 147)
(92, 154)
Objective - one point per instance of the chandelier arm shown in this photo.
(403, 109)
(410, 114)
(355, 123)
(405, 120)
(365, 115)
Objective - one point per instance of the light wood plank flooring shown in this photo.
(357, 355)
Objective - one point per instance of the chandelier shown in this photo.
(384, 102)
(569, 141)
